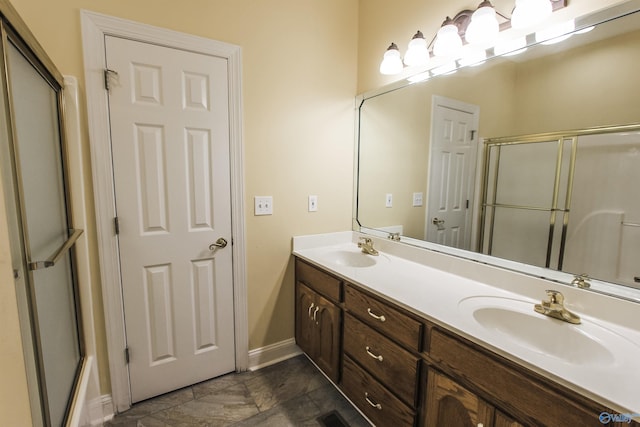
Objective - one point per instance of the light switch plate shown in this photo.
(263, 205)
(417, 199)
(388, 202)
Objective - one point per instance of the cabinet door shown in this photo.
(305, 305)
(449, 404)
(327, 338)
(503, 420)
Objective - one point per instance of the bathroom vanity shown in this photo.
(411, 344)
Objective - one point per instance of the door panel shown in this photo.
(170, 140)
(451, 177)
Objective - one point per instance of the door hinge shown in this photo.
(126, 355)
(467, 203)
(473, 134)
(116, 225)
(107, 78)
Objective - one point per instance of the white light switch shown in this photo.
(389, 200)
(313, 203)
(263, 205)
(417, 199)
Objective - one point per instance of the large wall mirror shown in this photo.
(439, 167)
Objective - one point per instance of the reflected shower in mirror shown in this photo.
(574, 211)
(406, 179)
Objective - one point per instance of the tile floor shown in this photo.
(290, 393)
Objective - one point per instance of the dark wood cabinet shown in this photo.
(318, 319)
(503, 420)
(400, 369)
(451, 405)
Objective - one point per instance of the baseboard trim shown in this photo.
(108, 409)
(273, 353)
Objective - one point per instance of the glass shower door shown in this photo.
(47, 239)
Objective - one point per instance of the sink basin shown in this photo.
(514, 320)
(350, 258)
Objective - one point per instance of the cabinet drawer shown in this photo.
(392, 365)
(318, 280)
(373, 399)
(391, 322)
(533, 401)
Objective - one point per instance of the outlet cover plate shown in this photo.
(313, 203)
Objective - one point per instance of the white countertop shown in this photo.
(433, 285)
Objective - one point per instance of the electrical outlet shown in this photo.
(313, 203)
(388, 202)
(263, 205)
(417, 199)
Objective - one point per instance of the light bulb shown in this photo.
(448, 42)
(530, 12)
(391, 62)
(484, 26)
(417, 53)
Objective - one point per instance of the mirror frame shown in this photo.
(599, 286)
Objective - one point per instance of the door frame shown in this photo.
(438, 101)
(95, 27)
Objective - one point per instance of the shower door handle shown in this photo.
(53, 259)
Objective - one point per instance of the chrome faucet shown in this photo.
(554, 307)
(367, 246)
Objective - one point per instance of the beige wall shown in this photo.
(299, 81)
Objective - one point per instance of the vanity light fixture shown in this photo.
(448, 42)
(484, 26)
(391, 63)
(528, 13)
(480, 28)
(418, 51)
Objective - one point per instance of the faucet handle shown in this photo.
(364, 241)
(555, 297)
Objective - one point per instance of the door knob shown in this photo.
(220, 243)
(438, 223)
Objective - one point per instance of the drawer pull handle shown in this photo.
(311, 308)
(378, 358)
(380, 318)
(375, 405)
(315, 313)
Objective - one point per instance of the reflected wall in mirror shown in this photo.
(588, 81)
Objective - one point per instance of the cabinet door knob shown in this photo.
(378, 358)
(375, 405)
(380, 318)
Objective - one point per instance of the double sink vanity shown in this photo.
(414, 337)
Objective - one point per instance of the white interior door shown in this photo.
(170, 141)
(452, 173)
